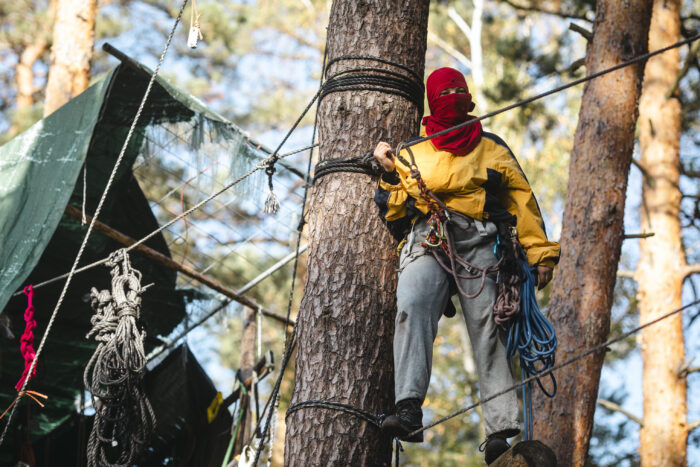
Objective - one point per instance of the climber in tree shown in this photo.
(478, 181)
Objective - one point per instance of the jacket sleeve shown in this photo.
(391, 198)
(520, 201)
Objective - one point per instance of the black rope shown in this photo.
(337, 406)
(375, 420)
(366, 78)
(374, 59)
(364, 164)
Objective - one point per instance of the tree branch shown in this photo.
(691, 269)
(645, 172)
(693, 425)
(689, 59)
(625, 273)
(546, 11)
(638, 235)
(575, 65)
(688, 172)
(459, 21)
(613, 407)
(588, 35)
(451, 51)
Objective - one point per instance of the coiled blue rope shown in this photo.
(534, 339)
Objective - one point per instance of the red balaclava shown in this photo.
(450, 110)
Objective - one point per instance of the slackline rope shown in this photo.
(568, 85)
(273, 400)
(97, 211)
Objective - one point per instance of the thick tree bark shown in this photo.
(660, 275)
(71, 52)
(592, 230)
(347, 313)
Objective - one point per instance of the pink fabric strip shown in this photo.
(27, 341)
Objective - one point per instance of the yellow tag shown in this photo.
(213, 409)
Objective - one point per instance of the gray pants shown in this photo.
(423, 292)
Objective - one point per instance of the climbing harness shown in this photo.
(114, 375)
(439, 238)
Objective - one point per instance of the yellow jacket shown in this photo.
(486, 184)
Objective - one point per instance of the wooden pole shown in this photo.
(172, 264)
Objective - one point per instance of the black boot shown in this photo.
(408, 418)
(493, 447)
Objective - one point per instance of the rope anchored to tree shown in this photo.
(375, 79)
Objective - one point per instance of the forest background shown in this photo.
(260, 62)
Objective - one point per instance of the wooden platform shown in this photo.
(527, 454)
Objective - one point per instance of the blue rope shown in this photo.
(534, 339)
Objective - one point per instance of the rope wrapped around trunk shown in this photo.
(124, 418)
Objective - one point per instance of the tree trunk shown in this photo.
(347, 313)
(592, 230)
(659, 274)
(71, 52)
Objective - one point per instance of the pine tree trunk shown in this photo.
(347, 313)
(592, 231)
(71, 52)
(662, 259)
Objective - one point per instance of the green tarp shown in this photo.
(38, 170)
